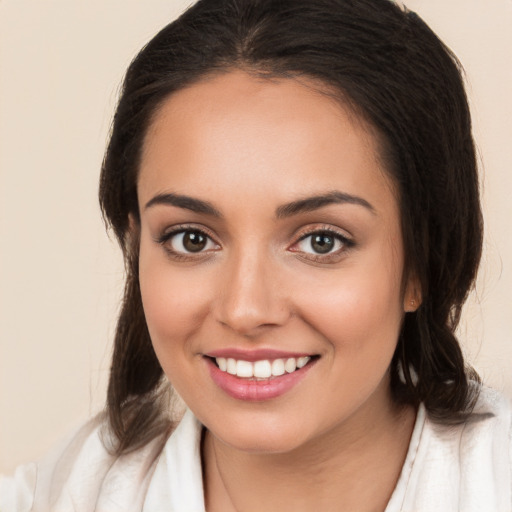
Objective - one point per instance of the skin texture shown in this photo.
(247, 146)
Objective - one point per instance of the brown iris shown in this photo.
(322, 243)
(193, 241)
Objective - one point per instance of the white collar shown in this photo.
(177, 483)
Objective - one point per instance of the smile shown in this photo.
(258, 377)
(262, 369)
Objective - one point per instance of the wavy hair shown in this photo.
(390, 68)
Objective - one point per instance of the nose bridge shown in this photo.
(250, 296)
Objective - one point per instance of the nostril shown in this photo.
(249, 299)
(252, 319)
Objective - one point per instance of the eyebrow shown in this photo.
(186, 202)
(309, 204)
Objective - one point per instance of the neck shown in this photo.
(354, 466)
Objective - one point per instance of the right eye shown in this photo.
(191, 242)
(184, 242)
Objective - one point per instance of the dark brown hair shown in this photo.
(392, 70)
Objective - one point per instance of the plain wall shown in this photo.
(61, 63)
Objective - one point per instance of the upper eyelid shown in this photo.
(181, 228)
(300, 234)
(323, 229)
(317, 231)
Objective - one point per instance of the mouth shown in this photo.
(263, 369)
(251, 377)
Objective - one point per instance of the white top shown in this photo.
(464, 468)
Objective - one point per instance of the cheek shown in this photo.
(358, 310)
(174, 304)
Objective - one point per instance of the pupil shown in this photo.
(322, 243)
(193, 241)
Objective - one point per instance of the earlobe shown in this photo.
(411, 305)
(412, 297)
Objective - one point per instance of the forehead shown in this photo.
(237, 130)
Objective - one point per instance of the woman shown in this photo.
(294, 188)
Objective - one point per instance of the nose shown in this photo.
(251, 297)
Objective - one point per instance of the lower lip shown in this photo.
(256, 390)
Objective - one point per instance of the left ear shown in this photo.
(412, 295)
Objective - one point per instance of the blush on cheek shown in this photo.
(173, 305)
(350, 317)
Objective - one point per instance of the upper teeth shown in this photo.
(261, 369)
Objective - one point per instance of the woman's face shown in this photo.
(270, 245)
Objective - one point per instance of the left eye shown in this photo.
(190, 242)
(321, 243)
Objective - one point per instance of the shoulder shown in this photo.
(492, 402)
(467, 466)
(19, 492)
(492, 414)
(485, 435)
(76, 473)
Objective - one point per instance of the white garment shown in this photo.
(465, 468)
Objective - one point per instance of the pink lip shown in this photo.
(256, 390)
(254, 355)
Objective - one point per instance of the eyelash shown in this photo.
(330, 257)
(167, 237)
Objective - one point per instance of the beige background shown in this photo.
(61, 62)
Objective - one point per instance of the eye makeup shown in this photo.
(190, 242)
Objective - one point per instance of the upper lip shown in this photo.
(254, 355)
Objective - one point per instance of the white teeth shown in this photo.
(262, 369)
(244, 369)
(302, 361)
(231, 366)
(278, 367)
(290, 365)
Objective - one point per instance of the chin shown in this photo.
(262, 444)
(262, 434)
